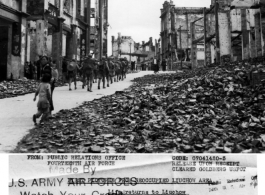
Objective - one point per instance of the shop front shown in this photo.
(3, 50)
(12, 39)
(81, 43)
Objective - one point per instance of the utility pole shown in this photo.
(107, 24)
(245, 35)
(217, 32)
(130, 51)
(119, 44)
(176, 39)
(88, 27)
(193, 46)
(180, 44)
(205, 36)
(187, 24)
(171, 55)
(100, 29)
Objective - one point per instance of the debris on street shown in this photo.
(207, 110)
(9, 89)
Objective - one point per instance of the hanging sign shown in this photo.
(92, 13)
(83, 46)
(243, 4)
(52, 15)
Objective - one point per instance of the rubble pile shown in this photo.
(20, 87)
(211, 110)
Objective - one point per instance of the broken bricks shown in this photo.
(205, 110)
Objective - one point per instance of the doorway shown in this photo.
(3, 52)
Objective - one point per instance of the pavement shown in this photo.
(16, 113)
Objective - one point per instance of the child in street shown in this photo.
(44, 92)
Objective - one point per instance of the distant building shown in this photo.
(167, 34)
(149, 49)
(141, 53)
(175, 32)
(123, 46)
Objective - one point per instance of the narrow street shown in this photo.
(197, 111)
(187, 115)
(16, 113)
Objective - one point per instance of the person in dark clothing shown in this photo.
(45, 66)
(64, 70)
(38, 64)
(80, 68)
(164, 64)
(132, 66)
(158, 64)
(34, 71)
(30, 70)
(54, 77)
(155, 66)
(50, 60)
(26, 70)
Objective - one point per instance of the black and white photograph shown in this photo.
(156, 79)
(132, 77)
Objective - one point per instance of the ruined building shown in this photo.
(13, 37)
(238, 34)
(175, 32)
(55, 28)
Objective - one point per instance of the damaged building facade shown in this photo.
(147, 48)
(238, 34)
(176, 35)
(123, 47)
(56, 28)
(140, 53)
(13, 25)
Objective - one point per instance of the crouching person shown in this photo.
(44, 92)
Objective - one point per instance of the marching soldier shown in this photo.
(89, 66)
(71, 73)
(111, 66)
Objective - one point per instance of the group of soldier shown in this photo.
(107, 70)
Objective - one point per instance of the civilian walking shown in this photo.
(47, 70)
(44, 93)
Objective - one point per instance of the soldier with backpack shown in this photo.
(124, 67)
(118, 67)
(103, 70)
(71, 73)
(111, 74)
(89, 66)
